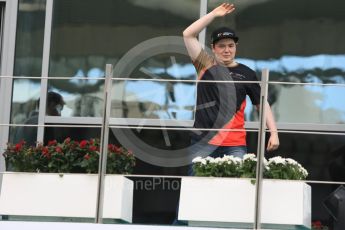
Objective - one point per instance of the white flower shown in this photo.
(277, 160)
(227, 158)
(218, 160)
(249, 156)
(237, 160)
(197, 160)
(291, 161)
(209, 159)
(224, 160)
(212, 161)
(233, 160)
(303, 171)
(203, 161)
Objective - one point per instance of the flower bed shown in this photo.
(67, 157)
(229, 166)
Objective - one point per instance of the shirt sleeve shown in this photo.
(254, 90)
(203, 62)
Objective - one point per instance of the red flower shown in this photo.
(117, 149)
(67, 140)
(93, 148)
(58, 149)
(53, 142)
(83, 143)
(18, 147)
(45, 152)
(87, 156)
(317, 224)
(22, 142)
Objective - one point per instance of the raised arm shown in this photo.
(191, 32)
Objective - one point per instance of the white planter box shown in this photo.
(229, 202)
(64, 195)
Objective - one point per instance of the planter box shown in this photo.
(229, 202)
(64, 195)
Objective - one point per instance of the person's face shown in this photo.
(225, 50)
(54, 109)
(58, 109)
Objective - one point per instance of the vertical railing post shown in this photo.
(104, 142)
(261, 148)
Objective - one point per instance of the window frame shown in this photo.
(8, 35)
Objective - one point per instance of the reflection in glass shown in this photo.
(157, 99)
(144, 99)
(89, 101)
(27, 62)
(309, 104)
(304, 103)
(25, 107)
(29, 38)
(296, 45)
(85, 39)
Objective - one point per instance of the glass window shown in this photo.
(29, 38)
(28, 62)
(77, 134)
(85, 39)
(296, 45)
(308, 103)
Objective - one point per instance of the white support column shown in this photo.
(45, 69)
(7, 63)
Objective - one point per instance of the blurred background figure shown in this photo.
(55, 104)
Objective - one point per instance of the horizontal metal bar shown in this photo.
(151, 122)
(309, 132)
(179, 129)
(323, 182)
(176, 80)
(181, 80)
(130, 79)
(142, 127)
(73, 120)
(306, 83)
(54, 78)
(51, 125)
(302, 126)
(142, 122)
(180, 177)
(232, 130)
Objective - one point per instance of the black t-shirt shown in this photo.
(221, 105)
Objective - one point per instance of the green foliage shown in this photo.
(229, 166)
(281, 168)
(24, 158)
(67, 157)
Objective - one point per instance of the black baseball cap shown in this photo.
(223, 32)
